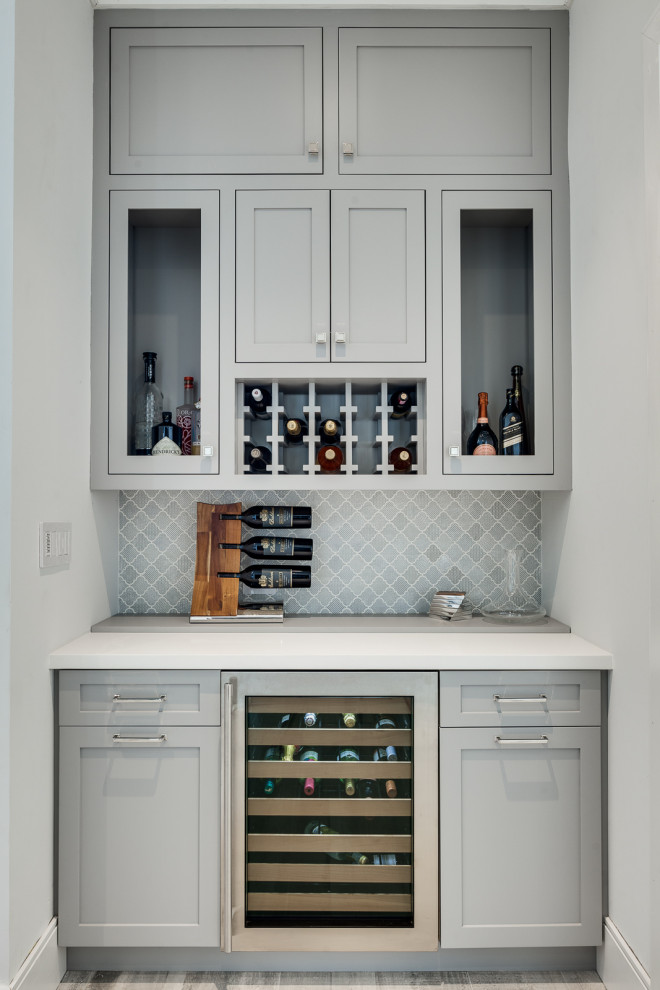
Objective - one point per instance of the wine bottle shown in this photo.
(310, 719)
(368, 788)
(272, 577)
(401, 459)
(384, 859)
(330, 431)
(349, 784)
(257, 457)
(185, 414)
(294, 430)
(165, 436)
(380, 753)
(516, 375)
(148, 405)
(265, 547)
(272, 753)
(511, 427)
(385, 722)
(289, 750)
(349, 720)
(401, 402)
(330, 458)
(274, 516)
(308, 783)
(482, 440)
(258, 398)
(318, 828)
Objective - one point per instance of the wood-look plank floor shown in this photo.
(126, 980)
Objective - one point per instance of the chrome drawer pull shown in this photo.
(117, 738)
(140, 701)
(499, 700)
(541, 741)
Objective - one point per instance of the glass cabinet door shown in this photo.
(337, 840)
(497, 313)
(164, 252)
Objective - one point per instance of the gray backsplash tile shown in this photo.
(383, 552)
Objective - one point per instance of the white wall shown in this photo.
(596, 547)
(50, 462)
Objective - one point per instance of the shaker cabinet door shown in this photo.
(520, 838)
(204, 100)
(139, 836)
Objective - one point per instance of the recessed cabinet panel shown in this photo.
(497, 313)
(282, 275)
(378, 275)
(456, 100)
(187, 100)
(163, 299)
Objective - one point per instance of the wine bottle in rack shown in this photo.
(482, 440)
(289, 750)
(258, 399)
(272, 753)
(265, 547)
(318, 828)
(330, 431)
(401, 402)
(401, 459)
(349, 783)
(274, 516)
(272, 577)
(349, 720)
(380, 753)
(257, 457)
(308, 783)
(294, 430)
(330, 458)
(310, 719)
(385, 722)
(368, 788)
(511, 427)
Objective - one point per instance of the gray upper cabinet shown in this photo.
(284, 290)
(203, 100)
(444, 100)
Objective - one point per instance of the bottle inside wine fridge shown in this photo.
(482, 440)
(333, 846)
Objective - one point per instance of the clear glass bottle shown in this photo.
(513, 604)
(185, 414)
(148, 406)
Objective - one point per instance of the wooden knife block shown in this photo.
(213, 595)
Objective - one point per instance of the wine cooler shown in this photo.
(330, 811)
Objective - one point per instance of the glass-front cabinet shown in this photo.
(330, 811)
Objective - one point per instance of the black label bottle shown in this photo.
(274, 516)
(516, 375)
(511, 427)
(482, 440)
(148, 405)
(266, 547)
(272, 577)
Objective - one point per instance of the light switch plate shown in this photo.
(54, 544)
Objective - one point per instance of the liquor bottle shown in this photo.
(318, 828)
(308, 783)
(401, 402)
(272, 753)
(330, 431)
(310, 719)
(385, 722)
(265, 547)
(148, 405)
(516, 375)
(185, 414)
(330, 458)
(482, 440)
(401, 459)
(289, 750)
(272, 577)
(274, 516)
(294, 430)
(196, 443)
(380, 753)
(511, 427)
(258, 398)
(165, 436)
(257, 458)
(349, 784)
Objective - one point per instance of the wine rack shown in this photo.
(369, 432)
(328, 858)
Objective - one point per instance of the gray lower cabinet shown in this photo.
(520, 820)
(139, 831)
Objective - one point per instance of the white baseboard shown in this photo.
(45, 965)
(617, 965)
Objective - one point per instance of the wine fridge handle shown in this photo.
(225, 934)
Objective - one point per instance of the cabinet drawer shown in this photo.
(519, 697)
(139, 697)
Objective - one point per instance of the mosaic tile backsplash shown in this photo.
(375, 553)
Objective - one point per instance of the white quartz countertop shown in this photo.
(329, 643)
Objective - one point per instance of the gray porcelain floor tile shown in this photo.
(429, 981)
(583, 977)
